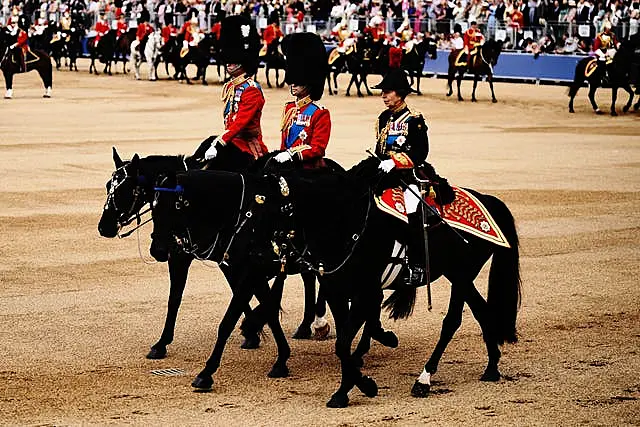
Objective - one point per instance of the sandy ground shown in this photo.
(78, 312)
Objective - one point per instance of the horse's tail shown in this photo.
(505, 285)
(401, 302)
(578, 78)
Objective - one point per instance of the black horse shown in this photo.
(273, 60)
(413, 60)
(199, 55)
(485, 60)
(105, 51)
(129, 190)
(351, 252)
(37, 60)
(123, 48)
(618, 73)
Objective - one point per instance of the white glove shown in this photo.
(13, 46)
(386, 165)
(283, 157)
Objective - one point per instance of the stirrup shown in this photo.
(415, 276)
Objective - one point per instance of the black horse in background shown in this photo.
(274, 59)
(199, 55)
(618, 74)
(123, 48)
(485, 60)
(37, 60)
(104, 52)
(295, 218)
(413, 60)
(170, 53)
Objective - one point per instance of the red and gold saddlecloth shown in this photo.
(465, 213)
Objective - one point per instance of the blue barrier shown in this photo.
(511, 65)
(519, 66)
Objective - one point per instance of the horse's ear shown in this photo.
(135, 160)
(116, 158)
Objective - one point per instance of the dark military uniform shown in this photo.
(401, 135)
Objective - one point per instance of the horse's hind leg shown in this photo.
(329, 83)
(450, 325)
(627, 106)
(266, 73)
(480, 310)
(366, 85)
(459, 80)
(46, 74)
(475, 84)
(592, 97)
(451, 76)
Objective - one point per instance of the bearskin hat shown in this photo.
(239, 43)
(274, 18)
(306, 62)
(145, 16)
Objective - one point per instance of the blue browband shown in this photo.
(178, 189)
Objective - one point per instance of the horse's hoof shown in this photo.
(420, 390)
(599, 112)
(494, 100)
(204, 83)
(368, 386)
(450, 93)
(625, 109)
(251, 343)
(46, 96)
(302, 333)
(387, 339)
(571, 110)
(613, 113)
(460, 99)
(278, 371)
(157, 353)
(360, 95)
(202, 384)
(338, 401)
(474, 100)
(490, 375)
(369, 93)
(347, 94)
(419, 93)
(321, 333)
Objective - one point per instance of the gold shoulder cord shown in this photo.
(288, 116)
(382, 135)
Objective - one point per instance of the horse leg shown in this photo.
(335, 81)
(137, 62)
(614, 98)
(348, 322)
(204, 73)
(46, 74)
(418, 77)
(592, 92)
(8, 82)
(459, 80)
(279, 368)
(475, 84)
(627, 106)
(493, 95)
(573, 91)
(353, 77)
(366, 85)
(450, 77)
(303, 332)
(450, 325)
(329, 83)
(178, 270)
(480, 310)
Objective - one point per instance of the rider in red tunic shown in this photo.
(143, 30)
(305, 125)
(168, 31)
(101, 29)
(273, 31)
(215, 29)
(241, 143)
(20, 47)
(122, 26)
(472, 39)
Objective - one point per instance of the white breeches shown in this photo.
(411, 201)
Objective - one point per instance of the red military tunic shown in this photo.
(144, 29)
(306, 128)
(122, 28)
(377, 32)
(271, 33)
(472, 38)
(605, 41)
(22, 40)
(187, 31)
(102, 28)
(243, 100)
(215, 30)
(168, 32)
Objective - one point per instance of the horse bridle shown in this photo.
(126, 218)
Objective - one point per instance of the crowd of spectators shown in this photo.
(549, 26)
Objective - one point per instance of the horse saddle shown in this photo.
(591, 67)
(460, 61)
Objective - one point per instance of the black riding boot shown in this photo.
(416, 251)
